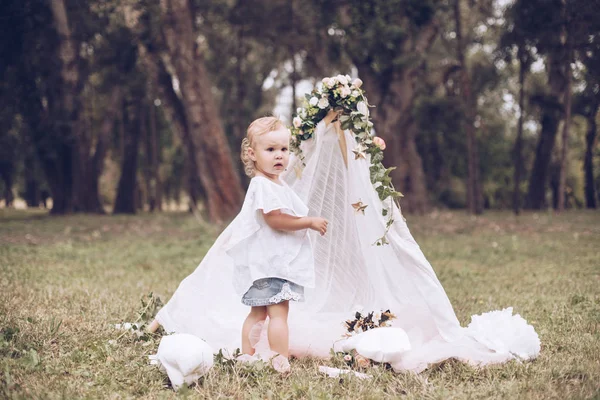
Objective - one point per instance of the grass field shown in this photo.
(64, 281)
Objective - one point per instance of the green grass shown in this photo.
(65, 280)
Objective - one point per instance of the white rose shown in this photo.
(357, 83)
(342, 79)
(297, 122)
(299, 110)
(328, 82)
(362, 108)
(323, 103)
(355, 93)
(345, 91)
(348, 77)
(313, 101)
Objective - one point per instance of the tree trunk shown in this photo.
(394, 123)
(293, 83)
(194, 187)
(552, 111)
(292, 51)
(125, 202)
(209, 150)
(176, 115)
(82, 155)
(591, 139)
(567, 96)
(32, 184)
(96, 162)
(65, 113)
(152, 149)
(562, 182)
(54, 157)
(554, 183)
(474, 193)
(518, 149)
(240, 122)
(6, 174)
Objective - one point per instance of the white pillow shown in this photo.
(184, 357)
(384, 344)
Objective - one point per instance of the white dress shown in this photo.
(259, 251)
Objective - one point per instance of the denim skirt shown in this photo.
(268, 291)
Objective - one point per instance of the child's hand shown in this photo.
(319, 224)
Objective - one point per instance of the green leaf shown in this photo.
(388, 170)
(347, 124)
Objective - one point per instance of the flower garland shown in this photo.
(345, 97)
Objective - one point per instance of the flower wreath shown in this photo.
(348, 100)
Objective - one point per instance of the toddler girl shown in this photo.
(275, 263)
(266, 250)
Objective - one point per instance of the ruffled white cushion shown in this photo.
(384, 344)
(184, 357)
(505, 333)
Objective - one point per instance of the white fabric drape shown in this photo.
(351, 273)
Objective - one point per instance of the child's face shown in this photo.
(271, 151)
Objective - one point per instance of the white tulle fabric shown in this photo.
(259, 251)
(350, 273)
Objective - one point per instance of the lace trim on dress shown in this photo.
(286, 293)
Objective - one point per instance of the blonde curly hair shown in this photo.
(258, 127)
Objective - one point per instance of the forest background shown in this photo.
(127, 105)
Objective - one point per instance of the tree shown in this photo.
(474, 199)
(55, 96)
(515, 37)
(587, 104)
(45, 92)
(67, 106)
(388, 42)
(132, 116)
(207, 140)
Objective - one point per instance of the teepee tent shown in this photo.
(367, 260)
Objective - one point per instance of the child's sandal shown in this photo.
(281, 364)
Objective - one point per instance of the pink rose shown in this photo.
(379, 142)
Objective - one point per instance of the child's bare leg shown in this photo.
(278, 328)
(256, 315)
(153, 326)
